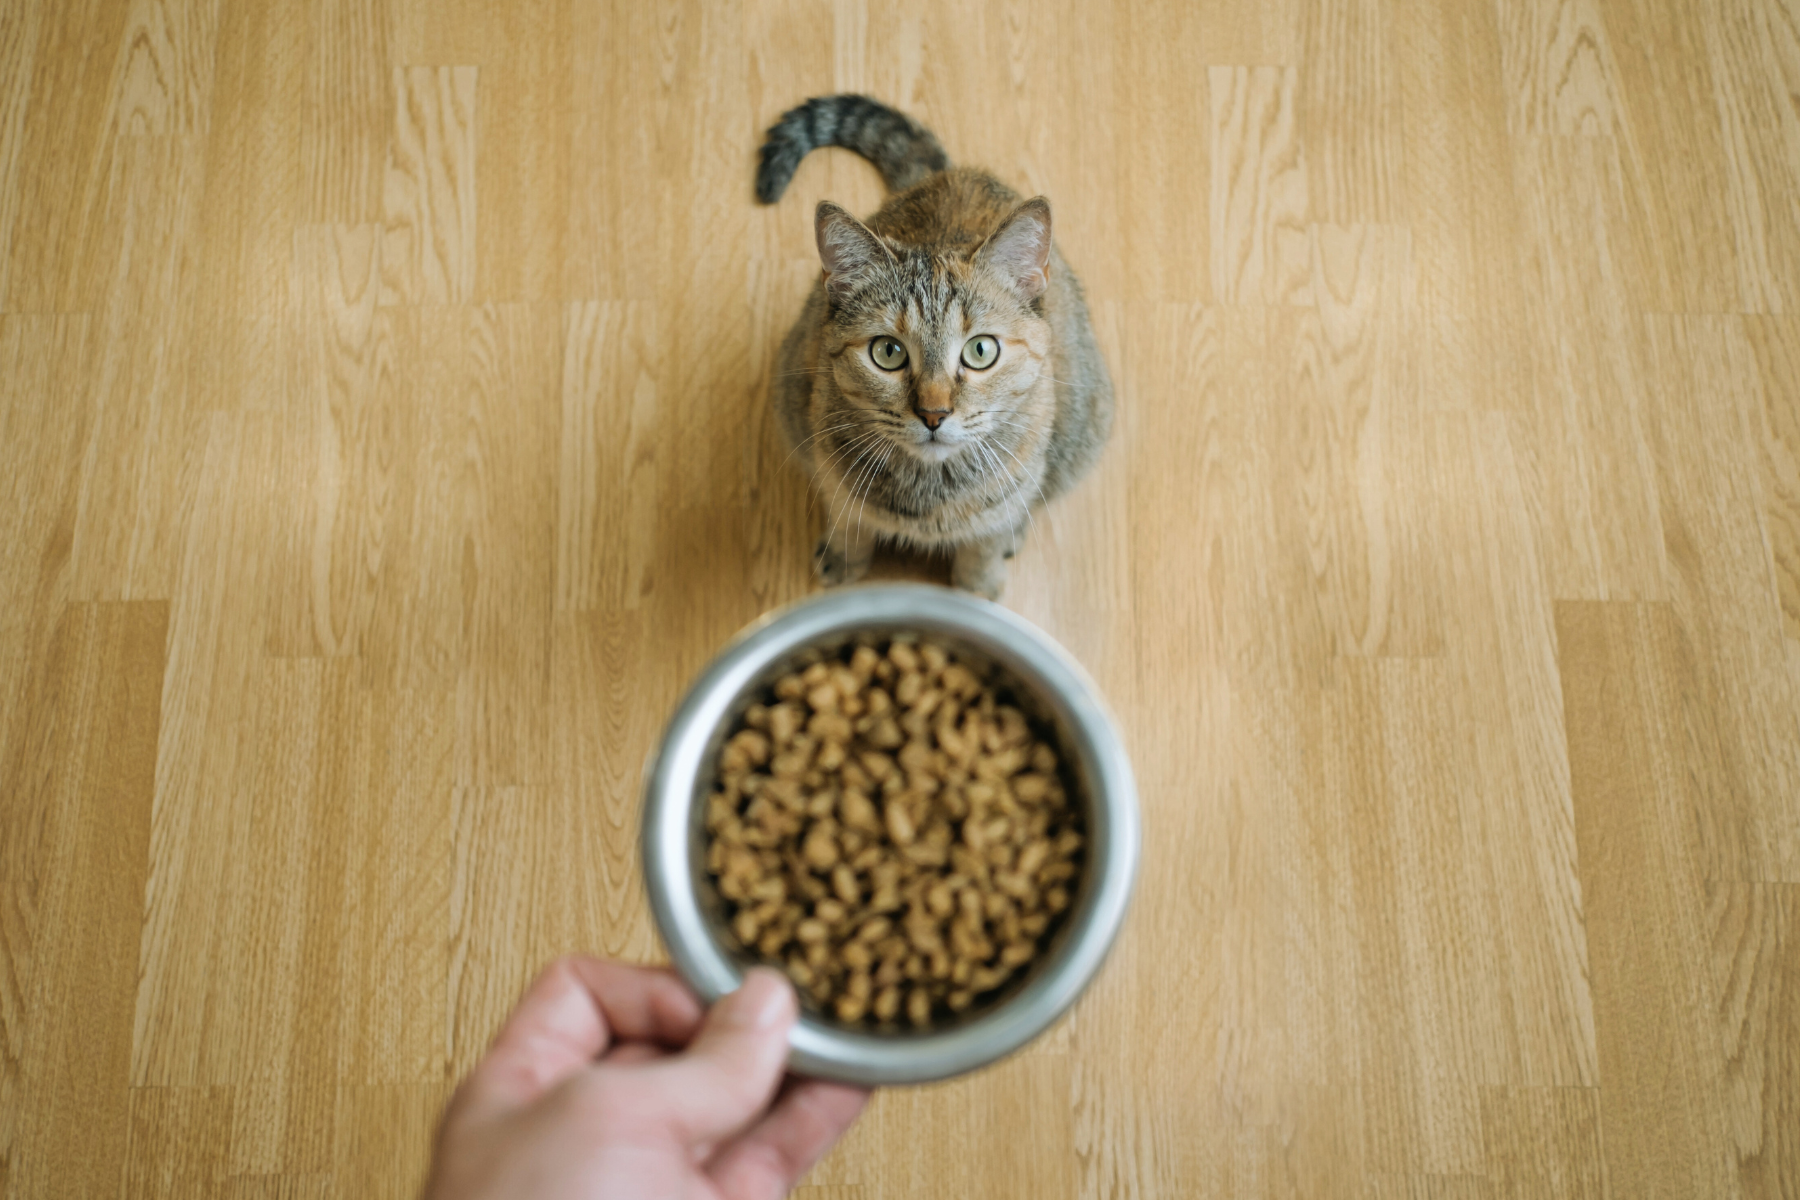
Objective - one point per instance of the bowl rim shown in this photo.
(823, 1050)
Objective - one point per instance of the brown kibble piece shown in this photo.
(858, 812)
(899, 824)
(821, 849)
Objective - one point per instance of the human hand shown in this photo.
(608, 1081)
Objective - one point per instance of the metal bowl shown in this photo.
(689, 912)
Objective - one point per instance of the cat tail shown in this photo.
(903, 150)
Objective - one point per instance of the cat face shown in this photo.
(938, 357)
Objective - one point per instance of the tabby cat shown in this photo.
(943, 379)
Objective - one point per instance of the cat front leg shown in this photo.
(843, 555)
(980, 566)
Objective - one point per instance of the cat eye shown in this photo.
(980, 351)
(888, 353)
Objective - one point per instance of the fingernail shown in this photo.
(762, 1002)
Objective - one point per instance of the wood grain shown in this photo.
(1260, 249)
(19, 35)
(385, 444)
(1561, 75)
(1667, 1121)
(1350, 110)
(79, 831)
(428, 195)
(1776, 344)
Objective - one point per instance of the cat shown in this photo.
(943, 379)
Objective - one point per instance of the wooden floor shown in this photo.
(384, 444)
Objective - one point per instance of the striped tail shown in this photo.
(903, 150)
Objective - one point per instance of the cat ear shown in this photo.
(846, 248)
(1019, 251)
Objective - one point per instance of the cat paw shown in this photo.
(835, 567)
(985, 576)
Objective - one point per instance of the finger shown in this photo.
(726, 1076)
(766, 1162)
(624, 1054)
(569, 1016)
(641, 1003)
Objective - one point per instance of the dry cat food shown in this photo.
(892, 833)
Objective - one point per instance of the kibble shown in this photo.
(894, 833)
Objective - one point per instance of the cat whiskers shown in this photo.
(869, 485)
(859, 465)
(851, 424)
(999, 474)
(1037, 483)
(1019, 486)
(869, 432)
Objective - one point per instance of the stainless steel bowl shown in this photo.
(688, 911)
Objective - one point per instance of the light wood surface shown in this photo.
(384, 444)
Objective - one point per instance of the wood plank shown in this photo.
(1471, 313)
(1345, 448)
(345, 409)
(983, 1126)
(429, 192)
(1544, 1142)
(65, 157)
(385, 1138)
(1701, 434)
(1260, 250)
(40, 444)
(351, 47)
(502, 432)
(1673, 149)
(525, 54)
(1755, 932)
(20, 26)
(1664, 1114)
(613, 247)
(163, 81)
(82, 862)
(1174, 250)
(1776, 344)
(1592, 487)
(1350, 111)
(608, 466)
(179, 1143)
(1562, 78)
(1753, 46)
(249, 204)
(127, 537)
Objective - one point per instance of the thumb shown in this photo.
(727, 1075)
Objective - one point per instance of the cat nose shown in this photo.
(932, 402)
